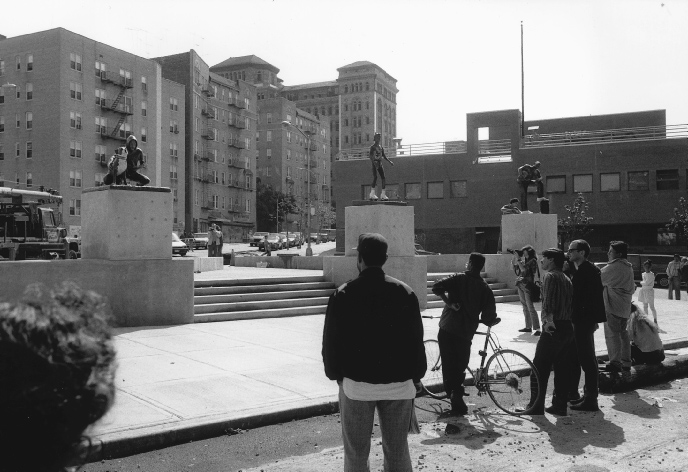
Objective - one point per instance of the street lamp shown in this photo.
(309, 251)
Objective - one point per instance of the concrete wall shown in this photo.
(141, 293)
(496, 265)
(299, 262)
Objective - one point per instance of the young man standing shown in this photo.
(377, 153)
(554, 346)
(373, 348)
(468, 301)
(674, 272)
(588, 310)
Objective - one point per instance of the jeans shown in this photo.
(529, 312)
(554, 350)
(524, 192)
(357, 427)
(583, 356)
(455, 352)
(618, 340)
(675, 286)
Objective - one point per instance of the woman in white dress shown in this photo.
(647, 291)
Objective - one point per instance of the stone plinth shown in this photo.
(536, 229)
(120, 223)
(412, 270)
(394, 222)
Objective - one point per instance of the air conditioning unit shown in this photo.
(230, 161)
(176, 130)
(78, 126)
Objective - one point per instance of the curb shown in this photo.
(122, 444)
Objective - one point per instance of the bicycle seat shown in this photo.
(494, 322)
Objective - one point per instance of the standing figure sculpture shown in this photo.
(377, 153)
(530, 175)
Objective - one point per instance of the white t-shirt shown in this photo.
(364, 391)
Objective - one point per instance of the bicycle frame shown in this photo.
(478, 374)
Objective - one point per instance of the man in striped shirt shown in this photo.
(553, 347)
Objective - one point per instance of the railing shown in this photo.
(208, 111)
(118, 108)
(450, 147)
(236, 143)
(568, 138)
(494, 146)
(208, 133)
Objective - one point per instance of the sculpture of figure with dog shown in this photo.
(124, 164)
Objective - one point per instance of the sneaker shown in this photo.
(383, 196)
(537, 333)
(372, 195)
(525, 330)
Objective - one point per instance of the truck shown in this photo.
(29, 226)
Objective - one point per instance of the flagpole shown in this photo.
(523, 101)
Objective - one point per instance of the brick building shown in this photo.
(632, 168)
(220, 122)
(68, 102)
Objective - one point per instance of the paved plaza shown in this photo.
(180, 383)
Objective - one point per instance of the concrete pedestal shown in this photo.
(536, 229)
(395, 223)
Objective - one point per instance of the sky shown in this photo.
(449, 57)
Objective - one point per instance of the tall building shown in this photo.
(220, 122)
(68, 102)
(288, 158)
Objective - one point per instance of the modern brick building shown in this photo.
(220, 123)
(632, 168)
(67, 102)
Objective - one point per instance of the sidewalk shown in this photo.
(182, 383)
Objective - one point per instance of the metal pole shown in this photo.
(309, 251)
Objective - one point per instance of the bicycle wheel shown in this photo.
(512, 381)
(432, 381)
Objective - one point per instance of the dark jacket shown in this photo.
(588, 302)
(373, 331)
(477, 302)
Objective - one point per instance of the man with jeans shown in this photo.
(373, 348)
(674, 272)
(588, 310)
(468, 300)
(617, 280)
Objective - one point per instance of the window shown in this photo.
(174, 104)
(435, 189)
(556, 184)
(17, 120)
(144, 108)
(75, 90)
(269, 153)
(2, 124)
(100, 97)
(29, 62)
(29, 91)
(101, 125)
(610, 182)
(269, 118)
(29, 120)
(75, 178)
(639, 180)
(18, 89)
(75, 61)
(457, 189)
(2, 153)
(144, 84)
(74, 120)
(100, 153)
(248, 206)
(99, 179)
(289, 154)
(75, 207)
(267, 171)
(247, 143)
(144, 135)
(75, 149)
(2, 95)
(125, 77)
(268, 135)
(29, 179)
(17, 60)
(2, 68)
(29, 149)
(173, 172)
(582, 183)
(412, 191)
(16, 153)
(101, 69)
(667, 179)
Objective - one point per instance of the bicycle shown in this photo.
(508, 377)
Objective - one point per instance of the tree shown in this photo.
(576, 223)
(326, 215)
(267, 202)
(679, 222)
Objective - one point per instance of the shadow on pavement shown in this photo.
(572, 434)
(631, 403)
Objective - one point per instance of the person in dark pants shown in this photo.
(373, 347)
(553, 347)
(376, 154)
(588, 311)
(468, 301)
(530, 175)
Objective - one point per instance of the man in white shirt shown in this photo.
(674, 273)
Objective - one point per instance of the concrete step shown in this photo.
(260, 305)
(506, 298)
(254, 314)
(259, 281)
(497, 293)
(432, 278)
(257, 296)
(261, 288)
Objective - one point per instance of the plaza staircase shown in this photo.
(274, 297)
(501, 292)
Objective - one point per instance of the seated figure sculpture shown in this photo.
(133, 161)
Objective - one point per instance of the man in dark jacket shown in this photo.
(373, 348)
(468, 301)
(135, 162)
(588, 311)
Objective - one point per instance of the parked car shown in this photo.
(659, 265)
(257, 238)
(292, 238)
(200, 240)
(276, 241)
(178, 246)
(422, 252)
(314, 237)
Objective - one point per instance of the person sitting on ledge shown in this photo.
(646, 347)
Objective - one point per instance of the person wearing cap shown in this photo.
(377, 153)
(468, 301)
(673, 271)
(373, 348)
(527, 176)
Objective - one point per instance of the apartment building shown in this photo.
(68, 102)
(220, 123)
